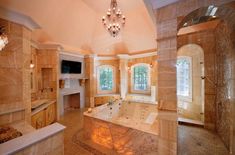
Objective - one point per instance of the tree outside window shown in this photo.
(105, 79)
(184, 79)
(140, 78)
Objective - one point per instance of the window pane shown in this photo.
(183, 76)
(140, 78)
(106, 78)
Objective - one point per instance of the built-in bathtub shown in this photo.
(123, 128)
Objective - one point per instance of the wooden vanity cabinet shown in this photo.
(44, 117)
(38, 120)
(50, 114)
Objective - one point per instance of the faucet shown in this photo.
(111, 102)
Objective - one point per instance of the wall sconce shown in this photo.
(3, 39)
(151, 65)
(31, 64)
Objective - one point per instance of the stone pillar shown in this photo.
(167, 52)
(123, 67)
(90, 84)
(26, 38)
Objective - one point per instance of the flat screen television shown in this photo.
(71, 67)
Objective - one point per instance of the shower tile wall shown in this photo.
(225, 55)
(206, 40)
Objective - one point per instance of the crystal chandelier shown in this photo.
(113, 19)
(3, 39)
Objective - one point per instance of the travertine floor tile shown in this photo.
(199, 141)
(73, 120)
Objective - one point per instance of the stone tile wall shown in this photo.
(47, 73)
(167, 50)
(225, 57)
(206, 40)
(167, 46)
(14, 69)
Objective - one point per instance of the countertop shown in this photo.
(40, 105)
(23, 127)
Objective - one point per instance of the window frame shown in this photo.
(148, 90)
(189, 97)
(99, 91)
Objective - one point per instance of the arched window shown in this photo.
(106, 79)
(140, 77)
(184, 77)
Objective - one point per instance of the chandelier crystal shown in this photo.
(3, 39)
(113, 20)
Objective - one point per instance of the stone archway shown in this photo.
(219, 78)
(191, 107)
(168, 23)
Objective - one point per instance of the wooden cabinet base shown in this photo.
(38, 120)
(44, 117)
(50, 114)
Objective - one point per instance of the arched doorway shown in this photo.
(190, 83)
(213, 28)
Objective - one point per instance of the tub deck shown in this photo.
(130, 128)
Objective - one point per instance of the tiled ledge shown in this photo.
(69, 91)
(12, 115)
(101, 95)
(11, 111)
(30, 139)
(143, 102)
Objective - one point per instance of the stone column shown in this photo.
(123, 67)
(90, 84)
(26, 38)
(167, 53)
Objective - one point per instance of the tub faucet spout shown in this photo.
(111, 102)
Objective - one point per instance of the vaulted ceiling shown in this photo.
(76, 24)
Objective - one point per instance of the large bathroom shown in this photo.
(117, 77)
